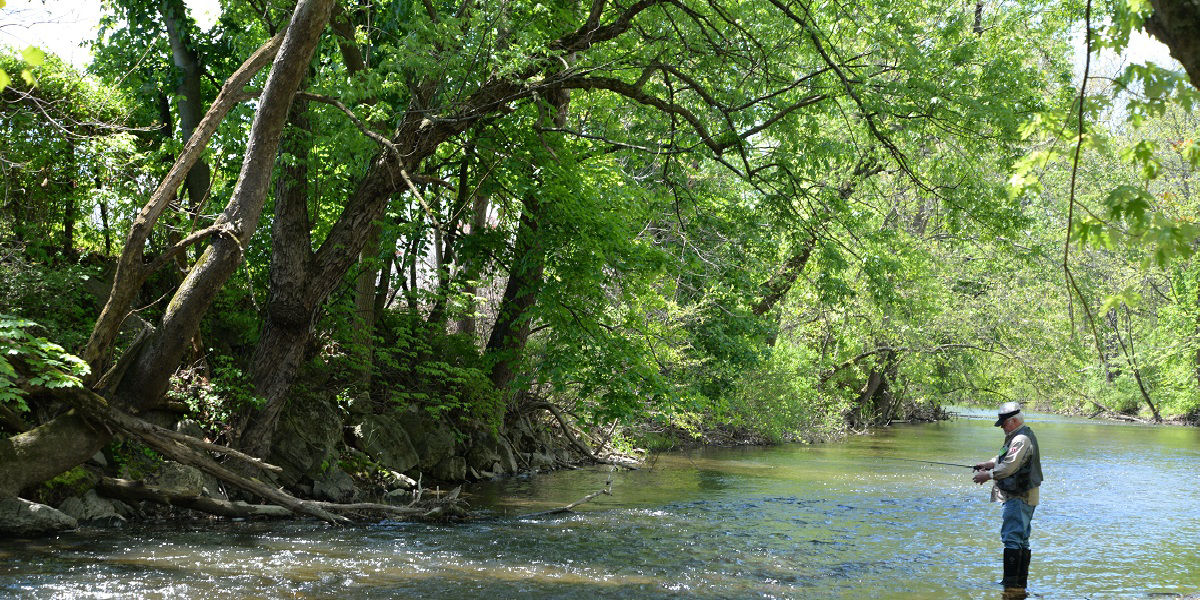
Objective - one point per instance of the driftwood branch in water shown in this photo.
(607, 491)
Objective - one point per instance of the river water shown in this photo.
(1118, 519)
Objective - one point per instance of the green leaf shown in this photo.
(4, 79)
(1190, 151)
(34, 56)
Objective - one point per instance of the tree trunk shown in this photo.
(384, 284)
(479, 214)
(364, 306)
(131, 270)
(783, 280)
(29, 458)
(289, 314)
(513, 320)
(147, 380)
(525, 276)
(191, 102)
(104, 226)
(70, 208)
(1176, 23)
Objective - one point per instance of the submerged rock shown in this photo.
(20, 517)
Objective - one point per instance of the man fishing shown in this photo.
(1017, 473)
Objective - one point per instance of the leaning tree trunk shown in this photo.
(68, 440)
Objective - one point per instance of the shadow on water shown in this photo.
(829, 521)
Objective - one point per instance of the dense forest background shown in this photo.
(637, 221)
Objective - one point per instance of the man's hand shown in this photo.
(986, 466)
(981, 476)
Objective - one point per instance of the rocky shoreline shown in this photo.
(403, 458)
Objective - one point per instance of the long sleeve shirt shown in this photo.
(1019, 450)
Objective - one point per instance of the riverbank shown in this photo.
(331, 453)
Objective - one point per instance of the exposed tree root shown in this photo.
(190, 451)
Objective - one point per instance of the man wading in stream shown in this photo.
(1017, 472)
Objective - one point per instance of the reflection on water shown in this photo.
(844, 520)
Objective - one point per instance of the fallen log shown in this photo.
(126, 490)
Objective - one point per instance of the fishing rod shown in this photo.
(931, 462)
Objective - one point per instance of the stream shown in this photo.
(1118, 519)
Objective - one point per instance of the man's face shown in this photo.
(1010, 425)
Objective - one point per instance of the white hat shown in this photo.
(1006, 412)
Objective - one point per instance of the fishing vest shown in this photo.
(1029, 475)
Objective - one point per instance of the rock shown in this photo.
(20, 517)
(492, 453)
(404, 481)
(212, 488)
(122, 508)
(305, 438)
(452, 468)
(398, 496)
(99, 459)
(190, 427)
(384, 439)
(508, 460)
(433, 440)
(91, 509)
(483, 454)
(335, 485)
(72, 507)
(540, 461)
(179, 478)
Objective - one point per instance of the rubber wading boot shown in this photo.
(1023, 578)
(1012, 570)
